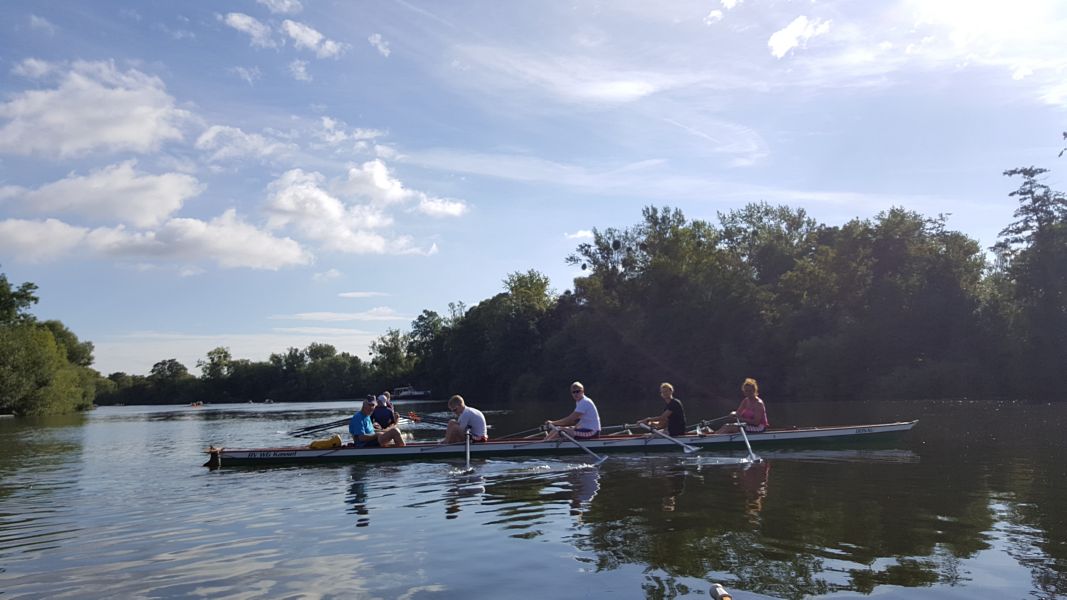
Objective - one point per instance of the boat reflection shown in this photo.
(357, 495)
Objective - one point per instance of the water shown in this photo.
(116, 504)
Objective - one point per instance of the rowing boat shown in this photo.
(522, 447)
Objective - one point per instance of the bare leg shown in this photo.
(453, 434)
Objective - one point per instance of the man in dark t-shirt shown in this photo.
(673, 416)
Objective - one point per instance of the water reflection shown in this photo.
(357, 495)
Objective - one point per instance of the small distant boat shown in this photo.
(498, 448)
(408, 392)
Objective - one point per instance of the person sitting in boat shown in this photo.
(673, 417)
(467, 418)
(751, 411)
(384, 415)
(584, 422)
(366, 433)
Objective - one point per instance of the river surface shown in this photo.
(115, 504)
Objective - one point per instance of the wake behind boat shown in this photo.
(534, 447)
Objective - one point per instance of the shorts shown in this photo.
(367, 444)
(754, 428)
(586, 433)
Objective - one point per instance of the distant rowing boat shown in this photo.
(621, 443)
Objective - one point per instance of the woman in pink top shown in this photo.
(751, 411)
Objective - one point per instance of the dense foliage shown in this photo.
(44, 368)
(890, 307)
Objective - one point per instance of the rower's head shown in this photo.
(666, 390)
(577, 390)
(750, 386)
(456, 404)
(369, 405)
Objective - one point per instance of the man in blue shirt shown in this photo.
(366, 433)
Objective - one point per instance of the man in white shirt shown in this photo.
(584, 422)
(467, 417)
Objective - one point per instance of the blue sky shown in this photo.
(261, 174)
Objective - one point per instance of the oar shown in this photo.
(520, 433)
(711, 423)
(429, 419)
(688, 449)
(599, 459)
(751, 455)
(467, 439)
(320, 427)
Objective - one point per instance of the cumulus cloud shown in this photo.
(229, 143)
(581, 234)
(304, 36)
(382, 46)
(299, 200)
(96, 107)
(226, 240)
(439, 207)
(33, 68)
(38, 241)
(284, 7)
(299, 70)
(796, 34)
(713, 17)
(117, 192)
(259, 32)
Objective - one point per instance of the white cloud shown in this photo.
(439, 207)
(713, 17)
(38, 241)
(250, 75)
(361, 294)
(297, 199)
(95, 108)
(796, 34)
(581, 234)
(33, 68)
(226, 240)
(299, 70)
(565, 76)
(42, 24)
(228, 143)
(116, 192)
(327, 275)
(381, 313)
(304, 36)
(373, 181)
(730, 4)
(285, 7)
(376, 40)
(255, 29)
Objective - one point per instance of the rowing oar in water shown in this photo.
(599, 459)
(310, 429)
(688, 449)
(744, 435)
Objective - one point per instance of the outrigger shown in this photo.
(626, 442)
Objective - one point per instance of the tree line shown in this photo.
(897, 306)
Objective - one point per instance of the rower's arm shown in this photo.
(567, 421)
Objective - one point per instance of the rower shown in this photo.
(366, 433)
(673, 416)
(583, 423)
(467, 419)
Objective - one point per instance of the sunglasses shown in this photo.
(576, 391)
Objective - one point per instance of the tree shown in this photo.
(217, 365)
(168, 371)
(15, 303)
(77, 352)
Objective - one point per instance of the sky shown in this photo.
(263, 174)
